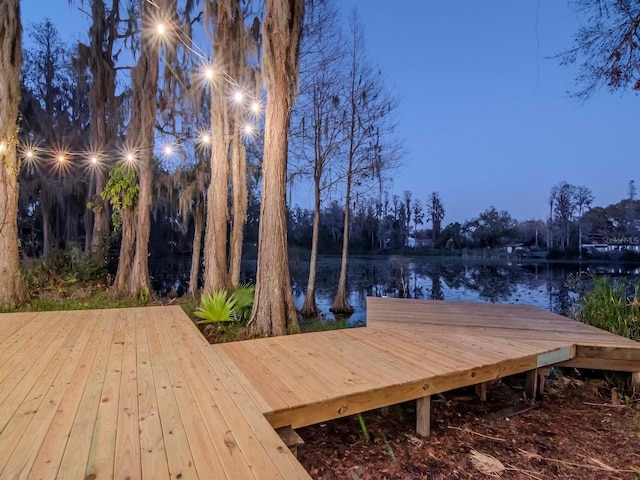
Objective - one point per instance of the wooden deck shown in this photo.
(138, 393)
(126, 394)
(412, 349)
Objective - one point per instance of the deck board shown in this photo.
(139, 393)
(48, 459)
(46, 396)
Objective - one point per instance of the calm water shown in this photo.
(555, 287)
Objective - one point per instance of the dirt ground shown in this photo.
(578, 430)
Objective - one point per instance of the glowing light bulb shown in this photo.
(129, 157)
(168, 150)
(94, 160)
(238, 96)
(3, 147)
(29, 154)
(61, 158)
(205, 138)
(255, 107)
(208, 73)
(248, 129)
(161, 29)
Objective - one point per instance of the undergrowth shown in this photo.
(610, 306)
(71, 280)
(61, 269)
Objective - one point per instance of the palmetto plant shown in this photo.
(217, 307)
(243, 296)
(224, 307)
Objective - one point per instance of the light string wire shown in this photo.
(31, 152)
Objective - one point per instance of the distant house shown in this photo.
(515, 248)
(614, 244)
(418, 242)
(595, 247)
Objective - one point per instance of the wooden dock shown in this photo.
(138, 393)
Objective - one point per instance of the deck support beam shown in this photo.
(534, 386)
(481, 391)
(423, 416)
(635, 380)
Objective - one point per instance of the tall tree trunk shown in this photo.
(310, 307)
(580, 238)
(101, 100)
(215, 243)
(274, 311)
(100, 227)
(240, 198)
(341, 304)
(125, 259)
(240, 194)
(143, 113)
(198, 227)
(88, 219)
(47, 235)
(11, 287)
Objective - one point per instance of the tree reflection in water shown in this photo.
(555, 287)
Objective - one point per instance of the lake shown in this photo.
(552, 286)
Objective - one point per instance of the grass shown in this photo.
(321, 325)
(96, 300)
(611, 307)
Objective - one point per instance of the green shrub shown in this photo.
(62, 268)
(224, 307)
(609, 307)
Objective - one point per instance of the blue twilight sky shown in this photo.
(484, 112)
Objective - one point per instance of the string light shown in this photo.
(166, 29)
(205, 139)
(29, 153)
(249, 131)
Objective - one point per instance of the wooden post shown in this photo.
(534, 386)
(481, 391)
(384, 410)
(290, 438)
(542, 374)
(635, 381)
(531, 385)
(423, 416)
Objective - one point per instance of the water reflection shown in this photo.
(555, 287)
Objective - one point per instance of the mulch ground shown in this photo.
(578, 430)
